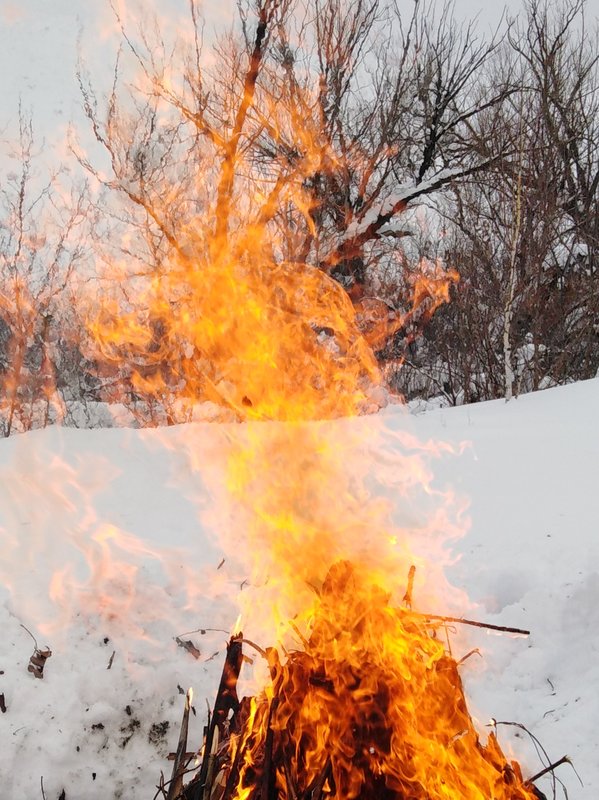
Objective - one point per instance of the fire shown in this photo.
(269, 340)
(360, 695)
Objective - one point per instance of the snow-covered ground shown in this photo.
(107, 547)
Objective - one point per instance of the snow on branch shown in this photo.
(377, 220)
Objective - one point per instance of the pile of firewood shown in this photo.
(326, 728)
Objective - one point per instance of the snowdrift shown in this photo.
(71, 501)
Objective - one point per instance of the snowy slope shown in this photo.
(531, 558)
(139, 502)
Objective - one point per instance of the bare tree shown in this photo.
(560, 52)
(523, 233)
(40, 246)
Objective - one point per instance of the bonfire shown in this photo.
(372, 706)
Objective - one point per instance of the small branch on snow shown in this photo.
(202, 631)
(475, 652)
(32, 636)
(188, 645)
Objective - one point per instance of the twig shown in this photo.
(475, 652)
(32, 636)
(42, 777)
(184, 792)
(256, 647)
(299, 634)
(202, 631)
(160, 788)
(111, 659)
(462, 621)
(541, 752)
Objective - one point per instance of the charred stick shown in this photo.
(226, 700)
(314, 791)
(550, 768)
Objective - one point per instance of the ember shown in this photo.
(371, 707)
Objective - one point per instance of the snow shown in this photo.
(529, 558)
